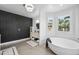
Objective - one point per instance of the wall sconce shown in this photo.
(37, 21)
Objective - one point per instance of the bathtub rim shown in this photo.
(62, 46)
(53, 50)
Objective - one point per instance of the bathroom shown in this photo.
(39, 29)
(54, 25)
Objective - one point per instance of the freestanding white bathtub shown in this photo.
(63, 46)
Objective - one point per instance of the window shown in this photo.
(64, 23)
(50, 22)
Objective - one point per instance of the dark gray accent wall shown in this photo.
(14, 27)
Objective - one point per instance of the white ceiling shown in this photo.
(20, 9)
(58, 7)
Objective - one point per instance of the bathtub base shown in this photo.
(51, 51)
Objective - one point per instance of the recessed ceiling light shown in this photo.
(61, 5)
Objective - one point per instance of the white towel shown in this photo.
(32, 43)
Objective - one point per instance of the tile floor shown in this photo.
(24, 49)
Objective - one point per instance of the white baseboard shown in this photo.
(11, 43)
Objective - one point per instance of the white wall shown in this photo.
(74, 24)
(70, 34)
(77, 22)
(34, 23)
(43, 26)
